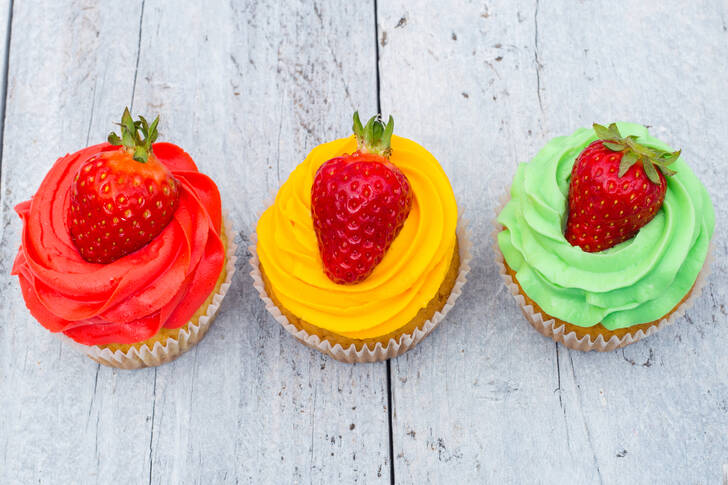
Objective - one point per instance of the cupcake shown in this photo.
(360, 255)
(605, 237)
(124, 249)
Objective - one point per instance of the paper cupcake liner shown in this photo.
(380, 352)
(548, 326)
(136, 358)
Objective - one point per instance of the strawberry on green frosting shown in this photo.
(637, 281)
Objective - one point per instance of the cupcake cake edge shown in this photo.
(144, 356)
(379, 352)
(548, 326)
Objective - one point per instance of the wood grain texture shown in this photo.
(247, 89)
(5, 18)
(485, 398)
(61, 419)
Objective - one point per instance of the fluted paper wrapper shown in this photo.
(547, 326)
(173, 347)
(380, 352)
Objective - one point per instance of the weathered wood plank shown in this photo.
(5, 18)
(284, 78)
(65, 419)
(656, 411)
(247, 89)
(486, 398)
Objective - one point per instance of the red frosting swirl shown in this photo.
(129, 300)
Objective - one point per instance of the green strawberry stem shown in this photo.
(375, 137)
(131, 138)
(635, 152)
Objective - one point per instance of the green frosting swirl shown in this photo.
(637, 281)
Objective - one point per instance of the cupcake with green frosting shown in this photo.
(605, 237)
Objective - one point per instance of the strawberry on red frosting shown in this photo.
(129, 300)
(121, 199)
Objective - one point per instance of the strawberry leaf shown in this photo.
(602, 132)
(141, 154)
(131, 138)
(358, 128)
(127, 122)
(114, 139)
(375, 136)
(388, 131)
(153, 134)
(668, 171)
(127, 139)
(143, 125)
(642, 150)
(651, 158)
(615, 147)
(651, 173)
(670, 158)
(616, 135)
(628, 159)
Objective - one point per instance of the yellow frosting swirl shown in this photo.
(410, 272)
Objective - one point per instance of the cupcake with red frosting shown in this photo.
(125, 249)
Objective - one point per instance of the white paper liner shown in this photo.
(547, 326)
(173, 347)
(402, 344)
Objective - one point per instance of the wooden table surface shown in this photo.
(248, 88)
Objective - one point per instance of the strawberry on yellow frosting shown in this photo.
(408, 276)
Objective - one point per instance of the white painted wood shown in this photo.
(65, 420)
(248, 89)
(486, 398)
(5, 7)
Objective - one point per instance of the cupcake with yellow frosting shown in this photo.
(360, 255)
(605, 237)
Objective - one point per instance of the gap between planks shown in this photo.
(6, 64)
(389, 361)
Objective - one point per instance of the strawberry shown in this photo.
(615, 189)
(359, 203)
(121, 199)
